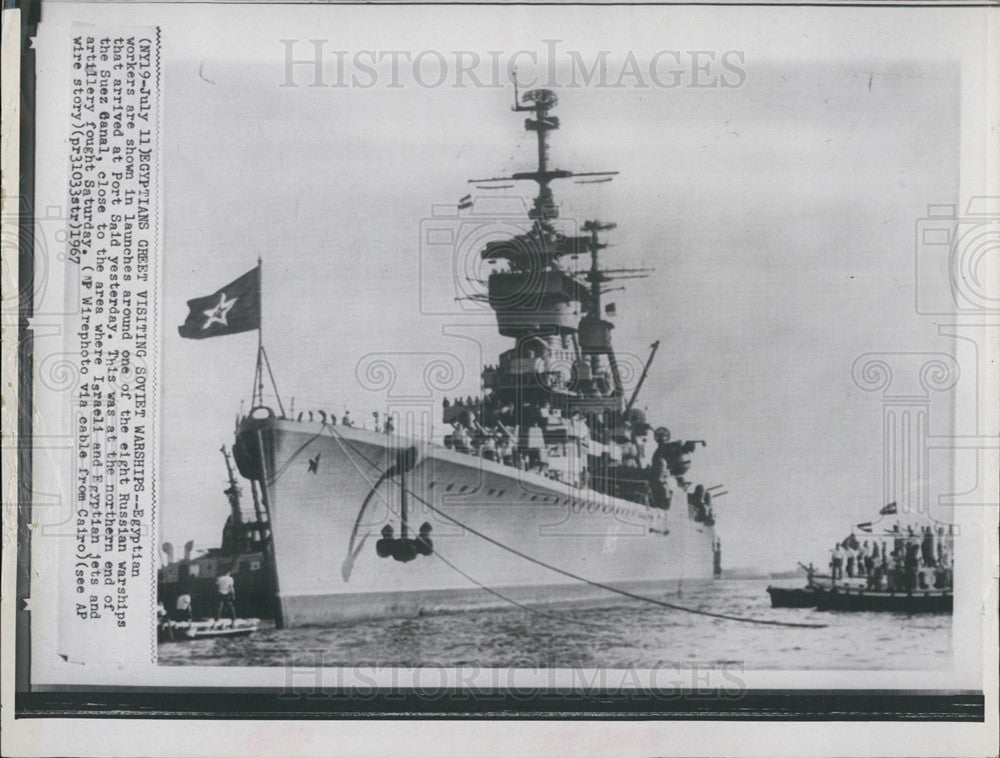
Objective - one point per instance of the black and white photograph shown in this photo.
(630, 362)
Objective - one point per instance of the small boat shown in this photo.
(854, 599)
(179, 631)
(806, 597)
(792, 597)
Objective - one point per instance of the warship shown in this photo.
(549, 487)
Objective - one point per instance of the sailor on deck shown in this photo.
(660, 469)
(630, 450)
(674, 455)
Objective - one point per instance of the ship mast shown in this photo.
(540, 102)
(539, 302)
(237, 536)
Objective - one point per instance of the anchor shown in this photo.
(406, 459)
(404, 548)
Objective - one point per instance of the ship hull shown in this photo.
(500, 535)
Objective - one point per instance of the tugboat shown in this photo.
(241, 554)
(550, 487)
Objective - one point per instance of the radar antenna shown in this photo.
(540, 102)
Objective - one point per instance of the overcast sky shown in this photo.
(779, 216)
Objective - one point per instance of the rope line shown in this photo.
(591, 582)
(513, 602)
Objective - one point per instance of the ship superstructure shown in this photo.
(555, 401)
(551, 485)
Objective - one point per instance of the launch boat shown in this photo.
(915, 577)
(551, 487)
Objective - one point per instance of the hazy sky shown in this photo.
(779, 216)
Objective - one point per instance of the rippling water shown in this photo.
(628, 634)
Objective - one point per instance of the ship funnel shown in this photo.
(188, 547)
(168, 550)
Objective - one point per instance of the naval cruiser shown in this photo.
(549, 487)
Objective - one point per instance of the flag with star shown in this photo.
(233, 309)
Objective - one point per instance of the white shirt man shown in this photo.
(226, 597)
(225, 584)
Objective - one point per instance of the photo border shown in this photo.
(247, 703)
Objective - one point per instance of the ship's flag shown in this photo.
(465, 202)
(865, 527)
(233, 309)
(889, 510)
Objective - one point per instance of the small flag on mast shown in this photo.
(465, 202)
(865, 527)
(233, 309)
(889, 510)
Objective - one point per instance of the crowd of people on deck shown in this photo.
(381, 423)
(919, 557)
(518, 440)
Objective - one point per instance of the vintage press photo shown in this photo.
(640, 350)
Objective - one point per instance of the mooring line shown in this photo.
(353, 555)
(591, 582)
(522, 606)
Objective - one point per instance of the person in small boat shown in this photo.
(911, 560)
(927, 546)
(837, 562)
(225, 588)
(871, 558)
(877, 577)
(164, 628)
(182, 608)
